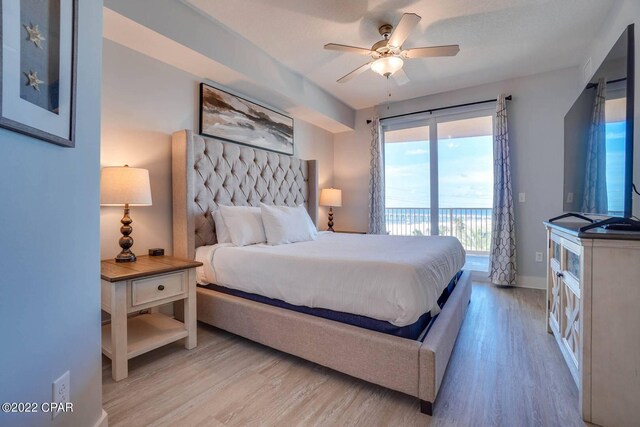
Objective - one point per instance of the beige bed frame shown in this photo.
(208, 173)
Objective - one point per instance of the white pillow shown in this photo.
(222, 231)
(244, 224)
(284, 224)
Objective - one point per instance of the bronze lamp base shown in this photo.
(330, 223)
(126, 241)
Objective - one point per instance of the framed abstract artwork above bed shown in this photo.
(235, 119)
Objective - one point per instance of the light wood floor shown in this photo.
(505, 370)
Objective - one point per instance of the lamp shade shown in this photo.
(387, 65)
(120, 185)
(331, 197)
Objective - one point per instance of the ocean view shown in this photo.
(472, 226)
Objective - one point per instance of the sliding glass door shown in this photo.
(439, 177)
(465, 181)
(408, 181)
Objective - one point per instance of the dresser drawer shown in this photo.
(157, 288)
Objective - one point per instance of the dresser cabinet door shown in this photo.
(563, 292)
(571, 323)
(555, 294)
(570, 300)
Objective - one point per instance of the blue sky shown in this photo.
(465, 172)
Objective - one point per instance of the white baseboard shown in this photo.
(103, 421)
(532, 282)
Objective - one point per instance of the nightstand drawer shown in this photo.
(157, 288)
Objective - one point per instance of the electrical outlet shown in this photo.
(587, 70)
(521, 197)
(538, 256)
(61, 393)
(569, 197)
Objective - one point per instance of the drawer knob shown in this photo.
(161, 287)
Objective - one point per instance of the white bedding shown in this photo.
(390, 278)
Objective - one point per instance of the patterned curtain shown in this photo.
(595, 184)
(376, 181)
(502, 259)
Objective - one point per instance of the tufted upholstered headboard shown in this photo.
(208, 173)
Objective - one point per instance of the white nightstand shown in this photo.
(143, 285)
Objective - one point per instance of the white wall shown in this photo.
(351, 174)
(536, 128)
(50, 282)
(144, 102)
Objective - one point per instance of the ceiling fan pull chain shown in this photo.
(389, 93)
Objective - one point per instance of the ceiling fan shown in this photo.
(388, 56)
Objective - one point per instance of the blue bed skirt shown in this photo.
(412, 331)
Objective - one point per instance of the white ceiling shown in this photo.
(499, 39)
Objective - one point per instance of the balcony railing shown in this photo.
(472, 226)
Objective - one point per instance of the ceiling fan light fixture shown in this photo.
(387, 65)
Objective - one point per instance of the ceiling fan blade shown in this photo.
(403, 29)
(431, 52)
(354, 73)
(400, 77)
(350, 49)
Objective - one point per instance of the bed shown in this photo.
(208, 173)
(390, 284)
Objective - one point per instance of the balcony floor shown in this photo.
(477, 263)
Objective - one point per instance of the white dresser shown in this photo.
(593, 311)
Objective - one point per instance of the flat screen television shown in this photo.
(598, 145)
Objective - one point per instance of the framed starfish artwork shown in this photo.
(38, 68)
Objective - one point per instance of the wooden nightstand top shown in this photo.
(113, 271)
(350, 232)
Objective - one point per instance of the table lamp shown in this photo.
(125, 186)
(331, 197)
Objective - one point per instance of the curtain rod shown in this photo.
(592, 85)
(508, 98)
